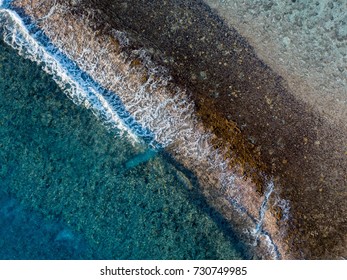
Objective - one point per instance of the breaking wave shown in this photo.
(131, 94)
(78, 86)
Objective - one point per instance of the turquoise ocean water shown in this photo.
(71, 189)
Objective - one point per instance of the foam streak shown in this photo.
(128, 91)
(80, 90)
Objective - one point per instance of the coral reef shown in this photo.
(234, 171)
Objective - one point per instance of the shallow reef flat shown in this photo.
(303, 41)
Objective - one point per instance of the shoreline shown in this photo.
(266, 206)
(224, 189)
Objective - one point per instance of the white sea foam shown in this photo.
(263, 208)
(142, 109)
(284, 205)
(258, 232)
(81, 91)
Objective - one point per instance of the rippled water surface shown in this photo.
(71, 189)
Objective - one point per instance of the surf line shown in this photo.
(75, 83)
(160, 119)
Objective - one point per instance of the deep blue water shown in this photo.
(71, 189)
